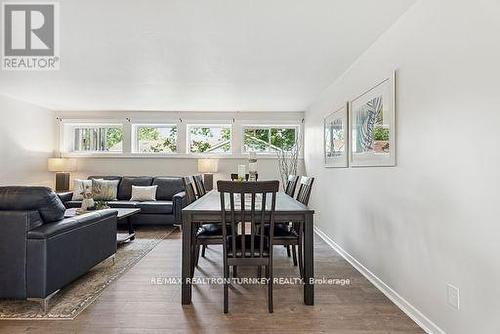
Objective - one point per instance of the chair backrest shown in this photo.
(234, 176)
(188, 184)
(305, 188)
(291, 184)
(254, 208)
(200, 186)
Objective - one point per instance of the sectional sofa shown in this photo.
(166, 210)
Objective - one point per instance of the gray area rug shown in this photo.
(74, 298)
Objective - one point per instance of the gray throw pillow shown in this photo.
(105, 190)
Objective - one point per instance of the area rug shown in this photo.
(74, 298)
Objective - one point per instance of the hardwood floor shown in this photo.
(133, 304)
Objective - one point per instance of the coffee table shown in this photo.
(123, 216)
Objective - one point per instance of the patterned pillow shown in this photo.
(105, 190)
(78, 187)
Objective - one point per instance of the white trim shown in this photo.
(425, 323)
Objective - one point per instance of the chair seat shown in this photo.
(284, 231)
(210, 230)
(239, 250)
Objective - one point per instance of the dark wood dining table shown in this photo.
(207, 209)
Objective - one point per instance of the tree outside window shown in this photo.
(269, 139)
(210, 139)
(156, 139)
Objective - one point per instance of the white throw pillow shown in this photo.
(78, 188)
(142, 194)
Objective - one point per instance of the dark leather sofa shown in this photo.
(40, 250)
(166, 210)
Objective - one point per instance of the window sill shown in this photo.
(165, 156)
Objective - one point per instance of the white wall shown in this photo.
(182, 164)
(433, 219)
(27, 139)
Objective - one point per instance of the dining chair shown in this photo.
(206, 234)
(291, 235)
(234, 177)
(200, 192)
(200, 186)
(291, 185)
(305, 188)
(254, 248)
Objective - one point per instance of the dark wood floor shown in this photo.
(133, 304)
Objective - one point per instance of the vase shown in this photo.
(87, 203)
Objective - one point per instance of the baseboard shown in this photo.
(425, 323)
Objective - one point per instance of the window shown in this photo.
(155, 138)
(98, 138)
(209, 138)
(268, 139)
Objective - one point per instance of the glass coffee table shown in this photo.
(123, 216)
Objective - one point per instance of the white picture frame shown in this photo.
(372, 128)
(336, 138)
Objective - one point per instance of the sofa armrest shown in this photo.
(70, 224)
(179, 201)
(65, 196)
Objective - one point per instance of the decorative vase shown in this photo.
(87, 203)
(252, 167)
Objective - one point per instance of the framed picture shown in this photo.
(372, 130)
(336, 138)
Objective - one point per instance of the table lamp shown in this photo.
(208, 167)
(62, 167)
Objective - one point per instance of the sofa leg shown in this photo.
(113, 258)
(44, 302)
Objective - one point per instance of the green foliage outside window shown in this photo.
(269, 139)
(157, 140)
(210, 139)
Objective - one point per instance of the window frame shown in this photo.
(135, 138)
(208, 125)
(94, 125)
(268, 126)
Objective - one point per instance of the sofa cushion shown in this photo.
(155, 207)
(168, 186)
(125, 187)
(41, 199)
(123, 204)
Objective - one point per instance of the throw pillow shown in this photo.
(105, 190)
(78, 188)
(141, 194)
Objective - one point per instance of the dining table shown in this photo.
(207, 209)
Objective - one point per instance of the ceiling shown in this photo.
(205, 55)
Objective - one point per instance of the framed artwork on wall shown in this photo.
(335, 138)
(372, 130)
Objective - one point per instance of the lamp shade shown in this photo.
(208, 165)
(61, 165)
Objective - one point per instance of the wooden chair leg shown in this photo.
(301, 254)
(226, 289)
(270, 289)
(203, 250)
(235, 271)
(294, 255)
(197, 255)
(287, 250)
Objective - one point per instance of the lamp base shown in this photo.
(208, 180)
(62, 182)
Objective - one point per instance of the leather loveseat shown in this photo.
(40, 250)
(166, 210)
